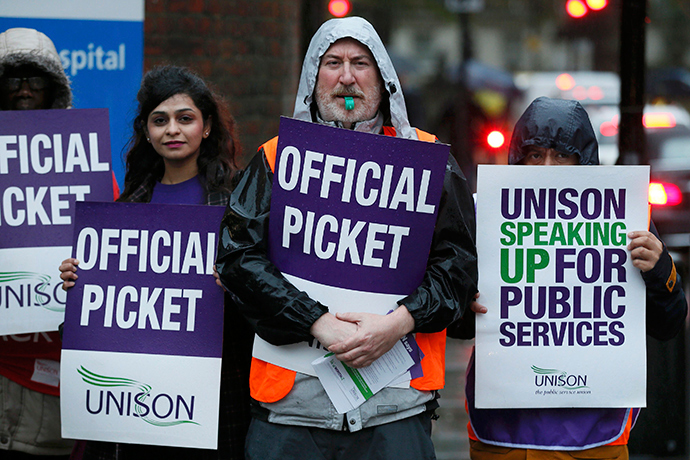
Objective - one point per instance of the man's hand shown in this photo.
(68, 272)
(476, 306)
(330, 330)
(645, 249)
(374, 336)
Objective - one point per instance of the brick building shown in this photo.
(249, 50)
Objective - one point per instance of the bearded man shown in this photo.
(347, 81)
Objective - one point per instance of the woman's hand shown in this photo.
(68, 272)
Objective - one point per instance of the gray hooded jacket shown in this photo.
(362, 31)
(20, 46)
(319, 412)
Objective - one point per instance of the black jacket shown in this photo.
(281, 314)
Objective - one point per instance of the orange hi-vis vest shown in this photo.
(269, 383)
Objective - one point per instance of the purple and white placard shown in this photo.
(143, 330)
(565, 325)
(49, 159)
(352, 217)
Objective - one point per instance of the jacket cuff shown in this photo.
(415, 305)
(664, 273)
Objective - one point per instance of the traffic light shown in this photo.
(597, 5)
(579, 8)
(664, 194)
(339, 8)
(495, 139)
(576, 8)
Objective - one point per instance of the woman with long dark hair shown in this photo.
(183, 151)
(190, 109)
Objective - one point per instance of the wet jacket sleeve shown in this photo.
(277, 310)
(464, 328)
(666, 303)
(450, 281)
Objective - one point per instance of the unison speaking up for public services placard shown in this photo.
(566, 307)
(352, 217)
(143, 329)
(49, 159)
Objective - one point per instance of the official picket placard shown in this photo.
(352, 217)
(143, 331)
(566, 308)
(49, 159)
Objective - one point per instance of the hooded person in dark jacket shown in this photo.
(558, 132)
(31, 78)
(346, 59)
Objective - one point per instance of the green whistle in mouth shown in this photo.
(349, 103)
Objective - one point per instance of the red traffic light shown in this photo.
(339, 8)
(597, 5)
(580, 8)
(495, 139)
(576, 8)
(664, 194)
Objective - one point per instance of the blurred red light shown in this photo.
(608, 129)
(664, 194)
(595, 93)
(580, 93)
(565, 82)
(339, 8)
(576, 8)
(495, 139)
(597, 5)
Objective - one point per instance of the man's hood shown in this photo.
(20, 46)
(555, 124)
(362, 31)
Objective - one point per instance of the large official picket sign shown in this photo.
(566, 308)
(143, 329)
(352, 217)
(49, 159)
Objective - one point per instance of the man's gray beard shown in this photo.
(330, 110)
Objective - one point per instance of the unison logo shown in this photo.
(558, 378)
(135, 399)
(29, 289)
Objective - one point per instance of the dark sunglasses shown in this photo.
(13, 84)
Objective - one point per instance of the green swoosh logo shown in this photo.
(539, 370)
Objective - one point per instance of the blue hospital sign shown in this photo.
(101, 46)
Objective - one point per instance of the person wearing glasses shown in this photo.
(31, 78)
(31, 73)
